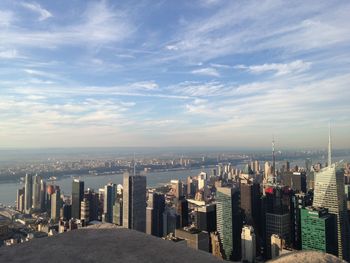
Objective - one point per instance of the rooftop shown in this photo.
(101, 244)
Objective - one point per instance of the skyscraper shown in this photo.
(42, 195)
(229, 221)
(317, 229)
(56, 205)
(28, 193)
(36, 192)
(248, 244)
(154, 214)
(330, 193)
(134, 202)
(20, 199)
(108, 202)
(77, 197)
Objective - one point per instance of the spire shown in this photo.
(273, 157)
(329, 146)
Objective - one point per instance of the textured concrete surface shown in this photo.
(307, 257)
(102, 244)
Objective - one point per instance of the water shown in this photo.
(8, 190)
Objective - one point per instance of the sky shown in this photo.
(80, 73)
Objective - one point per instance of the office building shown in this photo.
(20, 199)
(181, 206)
(108, 202)
(42, 195)
(250, 201)
(229, 221)
(56, 205)
(85, 211)
(36, 193)
(134, 202)
(176, 186)
(277, 245)
(195, 238)
(118, 212)
(77, 197)
(93, 199)
(318, 230)
(205, 217)
(170, 221)
(330, 193)
(154, 214)
(248, 244)
(28, 195)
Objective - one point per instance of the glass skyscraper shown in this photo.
(77, 197)
(134, 202)
(229, 221)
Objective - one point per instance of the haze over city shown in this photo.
(174, 73)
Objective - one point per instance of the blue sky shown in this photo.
(174, 73)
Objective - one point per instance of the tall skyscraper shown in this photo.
(93, 199)
(134, 202)
(36, 192)
(154, 214)
(229, 221)
(56, 205)
(330, 193)
(248, 244)
(317, 228)
(20, 199)
(77, 197)
(108, 202)
(42, 195)
(28, 193)
(181, 206)
(85, 210)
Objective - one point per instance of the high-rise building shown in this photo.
(118, 212)
(267, 171)
(134, 202)
(318, 230)
(330, 193)
(85, 210)
(299, 201)
(248, 244)
(20, 199)
(170, 221)
(93, 199)
(205, 217)
(277, 244)
(181, 206)
(154, 214)
(77, 197)
(250, 201)
(176, 186)
(28, 193)
(36, 192)
(276, 205)
(108, 202)
(229, 221)
(195, 238)
(55, 205)
(42, 195)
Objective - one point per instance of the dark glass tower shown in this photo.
(77, 197)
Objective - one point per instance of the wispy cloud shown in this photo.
(35, 7)
(9, 54)
(206, 72)
(279, 68)
(6, 18)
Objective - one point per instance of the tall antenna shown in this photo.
(273, 158)
(329, 146)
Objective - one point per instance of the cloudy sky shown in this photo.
(174, 73)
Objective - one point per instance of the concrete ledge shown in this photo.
(102, 245)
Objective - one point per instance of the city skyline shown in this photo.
(155, 73)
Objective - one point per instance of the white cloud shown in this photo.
(206, 72)
(279, 68)
(6, 17)
(9, 54)
(35, 7)
(98, 24)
